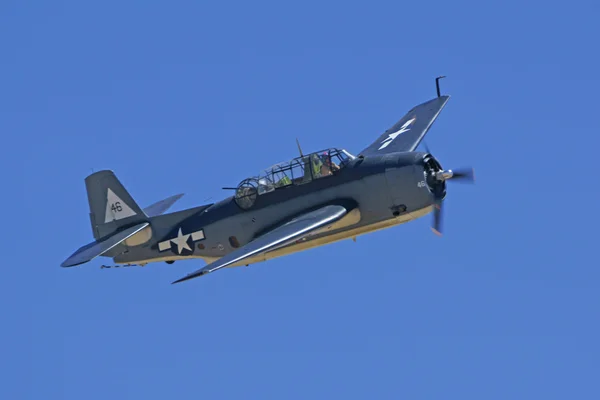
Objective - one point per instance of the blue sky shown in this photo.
(186, 96)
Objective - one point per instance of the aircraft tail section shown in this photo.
(111, 206)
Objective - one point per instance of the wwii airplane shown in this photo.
(312, 200)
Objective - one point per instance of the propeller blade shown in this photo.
(466, 175)
(437, 217)
(426, 147)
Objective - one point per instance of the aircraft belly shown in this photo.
(335, 237)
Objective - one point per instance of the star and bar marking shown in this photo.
(181, 241)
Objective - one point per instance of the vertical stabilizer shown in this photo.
(111, 206)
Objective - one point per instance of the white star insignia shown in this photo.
(182, 241)
(400, 131)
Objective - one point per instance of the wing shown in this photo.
(160, 207)
(292, 230)
(92, 250)
(407, 133)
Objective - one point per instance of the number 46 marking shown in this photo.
(116, 207)
(421, 184)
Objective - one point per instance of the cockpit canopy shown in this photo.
(299, 171)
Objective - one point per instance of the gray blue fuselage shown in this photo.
(384, 190)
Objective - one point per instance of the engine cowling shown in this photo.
(431, 169)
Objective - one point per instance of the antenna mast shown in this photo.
(299, 149)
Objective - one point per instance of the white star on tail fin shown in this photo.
(116, 208)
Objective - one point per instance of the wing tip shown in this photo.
(68, 263)
(190, 276)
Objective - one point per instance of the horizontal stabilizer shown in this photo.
(160, 207)
(92, 250)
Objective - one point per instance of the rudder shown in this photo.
(111, 206)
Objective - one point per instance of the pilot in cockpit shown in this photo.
(328, 167)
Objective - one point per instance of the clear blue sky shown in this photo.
(186, 96)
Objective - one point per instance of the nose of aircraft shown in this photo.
(435, 178)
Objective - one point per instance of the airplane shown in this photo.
(312, 200)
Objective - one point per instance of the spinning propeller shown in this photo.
(436, 180)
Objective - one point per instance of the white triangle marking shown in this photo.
(116, 208)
